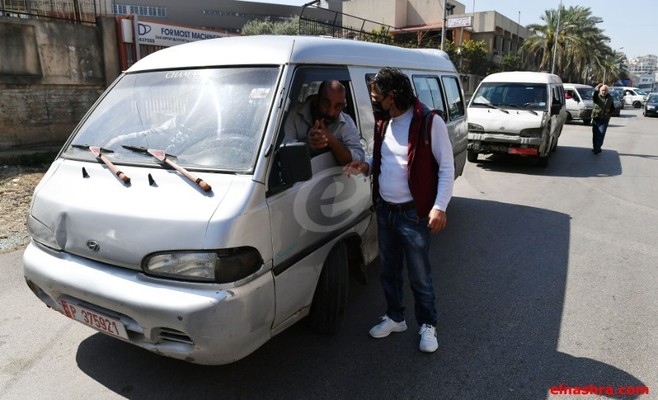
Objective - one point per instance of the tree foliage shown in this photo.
(268, 27)
(571, 44)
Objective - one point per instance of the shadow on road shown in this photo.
(574, 162)
(500, 272)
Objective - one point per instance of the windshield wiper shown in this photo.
(491, 106)
(525, 107)
(162, 156)
(98, 153)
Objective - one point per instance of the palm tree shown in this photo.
(613, 67)
(581, 45)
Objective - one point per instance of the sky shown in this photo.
(628, 23)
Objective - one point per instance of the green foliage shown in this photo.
(512, 62)
(576, 48)
(268, 27)
(379, 35)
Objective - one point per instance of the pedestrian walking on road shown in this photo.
(603, 108)
(413, 176)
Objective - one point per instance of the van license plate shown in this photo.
(97, 321)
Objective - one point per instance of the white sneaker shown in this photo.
(387, 326)
(428, 343)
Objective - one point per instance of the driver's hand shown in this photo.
(318, 136)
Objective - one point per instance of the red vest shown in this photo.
(422, 168)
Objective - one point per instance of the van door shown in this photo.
(435, 93)
(308, 217)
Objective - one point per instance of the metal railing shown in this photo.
(319, 21)
(74, 11)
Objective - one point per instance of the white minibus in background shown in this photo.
(517, 113)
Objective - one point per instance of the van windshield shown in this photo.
(207, 118)
(586, 93)
(531, 96)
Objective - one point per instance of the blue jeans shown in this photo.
(404, 236)
(599, 126)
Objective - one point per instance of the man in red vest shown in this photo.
(413, 175)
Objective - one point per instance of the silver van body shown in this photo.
(518, 113)
(579, 103)
(177, 219)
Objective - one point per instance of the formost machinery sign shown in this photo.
(168, 35)
(165, 35)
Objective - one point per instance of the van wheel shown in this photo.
(637, 104)
(472, 156)
(330, 298)
(587, 121)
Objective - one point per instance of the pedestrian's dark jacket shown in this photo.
(603, 105)
(422, 168)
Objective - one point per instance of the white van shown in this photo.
(519, 113)
(579, 102)
(202, 242)
(633, 96)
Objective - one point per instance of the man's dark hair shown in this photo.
(392, 80)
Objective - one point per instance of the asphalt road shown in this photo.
(545, 277)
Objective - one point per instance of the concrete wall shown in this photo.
(50, 74)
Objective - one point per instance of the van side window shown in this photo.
(429, 92)
(301, 114)
(558, 95)
(454, 97)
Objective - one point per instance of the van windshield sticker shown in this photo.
(184, 75)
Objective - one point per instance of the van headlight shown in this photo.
(475, 127)
(40, 233)
(221, 266)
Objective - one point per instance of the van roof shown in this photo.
(280, 49)
(523, 76)
(578, 85)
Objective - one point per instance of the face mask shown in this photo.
(379, 111)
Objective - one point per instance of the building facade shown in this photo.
(643, 72)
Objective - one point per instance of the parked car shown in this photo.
(579, 102)
(618, 102)
(633, 96)
(651, 105)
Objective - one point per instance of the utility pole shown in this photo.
(446, 7)
(557, 33)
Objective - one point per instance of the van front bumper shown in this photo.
(200, 323)
(501, 143)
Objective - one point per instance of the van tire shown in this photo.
(330, 298)
(637, 104)
(472, 156)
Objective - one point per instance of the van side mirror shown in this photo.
(295, 159)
